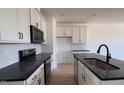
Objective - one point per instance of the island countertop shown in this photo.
(102, 74)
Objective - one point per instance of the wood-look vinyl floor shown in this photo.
(63, 75)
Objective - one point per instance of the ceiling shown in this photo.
(86, 15)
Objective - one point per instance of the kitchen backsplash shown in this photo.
(9, 52)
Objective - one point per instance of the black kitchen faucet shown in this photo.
(108, 55)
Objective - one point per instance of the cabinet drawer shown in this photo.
(81, 64)
(34, 76)
(92, 76)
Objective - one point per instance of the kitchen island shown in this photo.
(86, 73)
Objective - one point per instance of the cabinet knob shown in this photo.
(39, 81)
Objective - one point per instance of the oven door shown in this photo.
(47, 70)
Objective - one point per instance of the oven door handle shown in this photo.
(48, 61)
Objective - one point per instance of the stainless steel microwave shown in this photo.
(36, 34)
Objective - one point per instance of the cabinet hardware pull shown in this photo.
(19, 35)
(39, 81)
(22, 35)
(34, 77)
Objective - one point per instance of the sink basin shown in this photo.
(100, 64)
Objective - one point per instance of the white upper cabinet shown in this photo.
(60, 31)
(79, 34)
(35, 17)
(64, 31)
(83, 34)
(68, 31)
(76, 34)
(8, 24)
(23, 25)
(14, 25)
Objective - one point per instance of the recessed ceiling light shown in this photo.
(93, 15)
(62, 14)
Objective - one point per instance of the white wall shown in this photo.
(111, 34)
(9, 52)
(51, 40)
(64, 50)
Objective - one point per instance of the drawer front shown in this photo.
(34, 76)
(92, 76)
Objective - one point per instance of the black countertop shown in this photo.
(22, 70)
(102, 74)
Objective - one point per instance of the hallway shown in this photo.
(63, 75)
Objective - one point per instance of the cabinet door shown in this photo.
(23, 25)
(80, 74)
(76, 70)
(76, 35)
(8, 24)
(87, 80)
(68, 31)
(60, 31)
(42, 76)
(83, 34)
(35, 17)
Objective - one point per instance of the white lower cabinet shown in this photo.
(80, 73)
(85, 76)
(87, 80)
(37, 78)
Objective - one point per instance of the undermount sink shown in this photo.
(100, 64)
